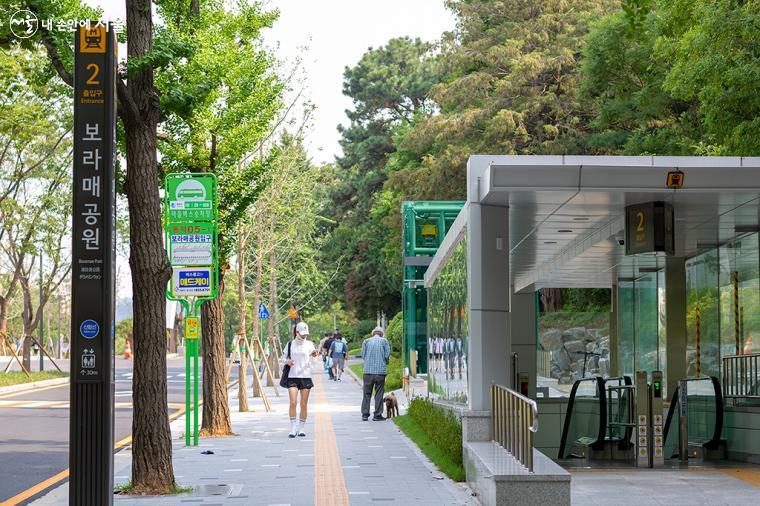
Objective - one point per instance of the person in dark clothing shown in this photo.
(326, 353)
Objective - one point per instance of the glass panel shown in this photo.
(572, 345)
(626, 334)
(701, 407)
(646, 321)
(448, 329)
(583, 427)
(702, 315)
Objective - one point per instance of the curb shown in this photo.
(23, 387)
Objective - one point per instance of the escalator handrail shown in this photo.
(713, 443)
(602, 415)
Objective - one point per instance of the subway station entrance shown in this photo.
(669, 374)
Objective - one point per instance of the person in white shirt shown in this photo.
(299, 354)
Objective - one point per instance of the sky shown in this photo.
(329, 35)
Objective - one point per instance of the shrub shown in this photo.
(440, 425)
(394, 331)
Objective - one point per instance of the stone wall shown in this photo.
(569, 348)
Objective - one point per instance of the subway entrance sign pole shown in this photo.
(93, 268)
(191, 239)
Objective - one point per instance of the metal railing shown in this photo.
(514, 419)
(544, 363)
(741, 376)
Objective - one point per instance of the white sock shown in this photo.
(293, 424)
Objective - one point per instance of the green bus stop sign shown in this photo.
(190, 197)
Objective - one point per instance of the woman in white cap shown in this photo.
(299, 354)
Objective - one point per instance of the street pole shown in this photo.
(40, 320)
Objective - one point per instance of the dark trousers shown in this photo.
(376, 381)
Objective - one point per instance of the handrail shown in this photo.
(714, 442)
(602, 432)
(514, 419)
(741, 375)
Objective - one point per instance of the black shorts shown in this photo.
(300, 383)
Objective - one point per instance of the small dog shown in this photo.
(391, 405)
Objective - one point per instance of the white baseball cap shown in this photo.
(302, 328)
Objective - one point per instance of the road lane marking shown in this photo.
(33, 390)
(43, 485)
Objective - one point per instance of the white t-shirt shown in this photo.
(300, 354)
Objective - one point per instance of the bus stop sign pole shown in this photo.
(93, 268)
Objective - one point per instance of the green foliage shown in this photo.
(394, 332)
(439, 425)
(442, 460)
(395, 369)
(123, 331)
(219, 94)
(388, 87)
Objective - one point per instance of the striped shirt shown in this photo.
(376, 352)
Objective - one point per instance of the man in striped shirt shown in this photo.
(376, 352)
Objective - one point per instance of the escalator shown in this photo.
(599, 420)
(600, 423)
(705, 420)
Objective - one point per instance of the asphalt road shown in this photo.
(34, 426)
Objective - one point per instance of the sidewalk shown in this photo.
(341, 461)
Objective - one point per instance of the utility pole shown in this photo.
(41, 320)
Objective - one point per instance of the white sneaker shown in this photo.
(293, 430)
(301, 433)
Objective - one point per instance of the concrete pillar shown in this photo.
(675, 321)
(614, 361)
(488, 296)
(522, 314)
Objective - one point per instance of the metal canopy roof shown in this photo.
(566, 213)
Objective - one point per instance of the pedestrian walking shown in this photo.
(299, 354)
(338, 352)
(325, 350)
(376, 353)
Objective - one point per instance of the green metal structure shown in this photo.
(425, 226)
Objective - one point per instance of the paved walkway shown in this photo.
(341, 461)
(666, 487)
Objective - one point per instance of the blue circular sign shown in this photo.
(89, 329)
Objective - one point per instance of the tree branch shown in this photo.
(55, 58)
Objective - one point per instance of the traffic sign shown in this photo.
(191, 327)
(191, 243)
(263, 312)
(93, 263)
(292, 313)
(191, 196)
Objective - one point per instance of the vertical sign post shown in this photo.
(190, 234)
(93, 268)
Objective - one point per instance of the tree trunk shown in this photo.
(27, 318)
(552, 299)
(4, 305)
(216, 411)
(274, 340)
(257, 301)
(240, 338)
(152, 470)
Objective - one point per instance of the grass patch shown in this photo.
(127, 489)
(437, 455)
(18, 377)
(395, 371)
